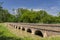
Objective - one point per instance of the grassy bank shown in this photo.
(6, 35)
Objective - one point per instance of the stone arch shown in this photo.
(29, 30)
(19, 28)
(39, 33)
(23, 28)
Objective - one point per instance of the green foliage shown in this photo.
(10, 18)
(28, 16)
(5, 16)
(31, 16)
(5, 34)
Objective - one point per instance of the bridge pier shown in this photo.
(26, 29)
(45, 34)
(33, 31)
(22, 28)
(15, 27)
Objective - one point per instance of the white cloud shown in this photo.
(37, 9)
(55, 8)
(34, 9)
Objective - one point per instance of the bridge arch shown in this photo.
(39, 33)
(19, 28)
(29, 30)
(23, 28)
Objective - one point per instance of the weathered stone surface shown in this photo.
(43, 30)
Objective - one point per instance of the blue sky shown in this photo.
(51, 6)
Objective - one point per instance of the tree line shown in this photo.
(28, 16)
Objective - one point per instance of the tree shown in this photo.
(58, 14)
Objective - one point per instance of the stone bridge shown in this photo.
(43, 30)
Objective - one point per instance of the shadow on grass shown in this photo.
(2, 37)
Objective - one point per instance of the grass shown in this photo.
(5, 34)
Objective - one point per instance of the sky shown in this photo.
(51, 6)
